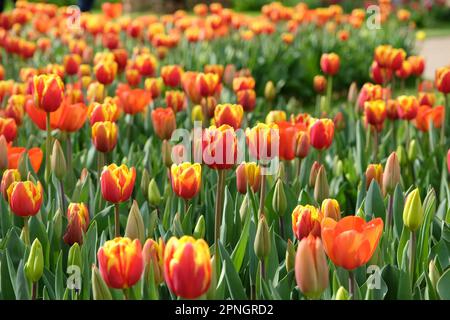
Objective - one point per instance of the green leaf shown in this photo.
(443, 285)
(397, 213)
(6, 283)
(374, 204)
(59, 279)
(239, 251)
(22, 290)
(234, 283)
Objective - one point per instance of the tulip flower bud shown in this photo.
(9, 177)
(402, 156)
(145, 181)
(290, 256)
(433, 273)
(413, 211)
(243, 210)
(352, 93)
(197, 113)
(34, 267)
(74, 258)
(342, 294)
(338, 168)
(199, 230)
(100, 290)
(279, 201)
(313, 173)
(330, 209)
(57, 224)
(166, 153)
(153, 253)
(135, 224)
(3, 153)
(58, 161)
(262, 239)
(311, 267)
(302, 147)
(374, 172)
(321, 189)
(270, 91)
(413, 150)
(281, 174)
(154, 196)
(391, 175)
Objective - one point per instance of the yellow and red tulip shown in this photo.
(186, 179)
(117, 182)
(248, 174)
(219, 145)
(230, 114)
(407, 107)
(104, 136)
(8, 128)
(306, 220)
(321, 133)
(78, 221)
(153, 253)
(9, 177)
(164, 123)
(48, 91)
(442, 79)
(25, 198)
(330, 63)
(171, 75)
(374, 172)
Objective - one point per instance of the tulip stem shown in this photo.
(412, 254)
(262, 195)
(69, 153)
(116, 220)
(263, 269)
(48, 146)
(63, 198)
(351, 284)
(34, 291)
(329, 92)
(375, 144)
(299, 168)
(218, 215)
(26, 231)
(389, 215)
(446, 110)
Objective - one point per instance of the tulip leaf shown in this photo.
(49, 280)
(397, 210)
(390, 275)
(360, 146)
(6, 284)
(231, 276)
(5, 218)
(286, 285)
(402, 245)
(423, 243)
(239, 251)
(374, 204)
(59, 279)
(443, 285)
(226, 230)
(22, 290)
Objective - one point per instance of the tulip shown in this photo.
(154, 86)
(214, 68)
(427, 98)
(263, 141)
(289, 135)
(219, 147)
(74, 257)
(230, 114)
(25, 198)
(8, 129)
(133, 101)
(146, 64)
(405, 70)
(407, 107)
(186, 179)
(417, 64)
(442, 80)
(329, 63)
(114, 255)
(313, 173)
(391, 174)
(413, 212)
(172, 75)
(342, 294)
(153, 253)
(70, 117)
(302, 147)
(175, 100)
(117, 182)
(375, 112)
(380, 75)
(330, 209)
(199, 230)
(311, 267)
(275, 116)
(388, 57)
(34, 267)
(15, 154)
(188, 82)
(95, 92)
(374, 172)
(247, 98)
(105, 71)
(72, 64)
(262, 245)
(78, 221)
(305, 221)
(3, 153)
(9, 177)
(243, 83)
(58, 161)
(370, 92)
(270, 91)
(248, 174)
(104, 136)
(100, 112)
(279, 201)
(48, 92)
(321, 133)
(187, 267)
(164, 123)
(153, 194)
(320, 84)
(16, 108)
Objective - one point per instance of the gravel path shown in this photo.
(437, 54)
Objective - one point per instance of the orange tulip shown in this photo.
(330, 63)
(248, 174)
(375, 112)
(219, 147)
(106, 111)
(187, 266)
(407, 107)
(78, 221)
(117, 182)
(15, 153)
(9, 177)
(186, 179)
(289, 134)
(388, 57)
(188, 82)
(164, 123)
(442, 79)
(351, 242)
(104, 136)
(133, 100)
(153, 253)
(172, 75)
(154, 86)
(207, 84)
(427, 115)
(120, 262)
(311, 267)
(48, 92)
(330, 208)
(374, 172)
(146, 64)
(105, 71)
(263, 141)
(306, 220)
(320, 84)
(321, 133)
(243, 83)
(247, 98)
(230, 114)
(25, 198)
(72, 64)
(8, 128)
(175, 100)
(417, 64)
(70, 117)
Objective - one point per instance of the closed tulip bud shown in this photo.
(154, 196)
(391, 174)
(199, 230)
(243, 210)
(402, 156)
(34, 267)
(9, 177)
(302, 147)
(352, 93)
(320, 84)
(262, 239)
(135, 224)
(153, 253)
(279, 200)
(58, 161)
(313, 173)
(413, 150)
(57, 224)
(145, 181)
(100, 290)
(342, 294)
(197, 113)
(248, 174)
(433, 273)
(166, 150)
(330, 209)
(74, 258)
(374, 172)
(338, 168)
(290, 256)
(281, 174)
(413, 211)
(3, 153)
(311, 267)
(321, 189)
(270, 91)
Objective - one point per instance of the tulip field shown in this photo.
(295, 153)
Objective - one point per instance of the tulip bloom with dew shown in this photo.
(230, 114)
(186, 179)
(121, 262)
(311, 267)
(187, 267)
(306, 221)
(248, 175)
(164, 123)
(78, 221)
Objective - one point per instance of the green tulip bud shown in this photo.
(281, 174)
(262, 239)
(391, 174)
(413, 150)
(58, 161)
(402, 156)
(433, 273)
(413, 211)
(135, 224)
(34, 267)
(177, 228)
(154, 196)
(270, 91)
(243, 210)
(22, 164)
(321, 188)
(145, 180)
(290, 256)
(100, 290)
(199, 230)
(279, 201)
(74, 258)
(342, 294)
